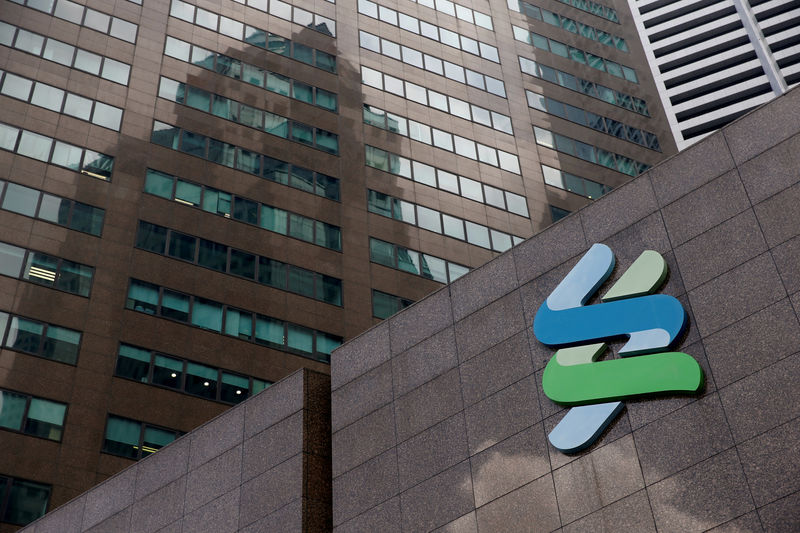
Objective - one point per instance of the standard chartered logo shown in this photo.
(651, 322)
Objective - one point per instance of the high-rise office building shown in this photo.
(715, 60)
(197, 199)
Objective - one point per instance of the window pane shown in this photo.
(381, 252)
(142, 297)
(331, 290)
(167, 371)
(175, 305)
(429, 219)
(45, 419)
(97, 165)
(12, 409)
(239, 324)
(115, 71)
(40, 268)
(245, 210)
(327, 343)
(151, 237)
(234, 388)
(24, 335)
(133, 363)
(327, 186)
(271, 272)
(61, 344)
(274, 219)
(158, 183)
(217, 202)
(177, 49)
(434, 268)
(300, 338)
(67, 155)
(155, 439)
(11, 258)
(27, 501)
(212, 255)
(453, 227)
(188, 193)
(408, 260)
(19, 199)
(301, 227)
(182, 246)
(301, 281)
(35, 146)
(269, 331)
(16, 87)
(8, 137)
(477, 234)
(75, 278)
(243, 264)
(193, 143)
(207, 314)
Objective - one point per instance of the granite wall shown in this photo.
(263, 465)
(439, 420)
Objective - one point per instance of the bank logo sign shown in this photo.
(651, 322)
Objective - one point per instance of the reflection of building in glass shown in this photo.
(197, 202)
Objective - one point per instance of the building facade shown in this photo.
(715, 61)
(438, 419)
(198, 199)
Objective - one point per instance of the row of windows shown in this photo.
(60, 101)
(248, 161)
(134, 439)
(235, 29)
(85, 16)
(154, 368)
(222, 258)
(431, 31)
(385, 305)
(246, 325)
(51, 208)
(244, 210)
(571, 25)
(444, 224)
(47, 270)
(590, 88)
(589, 6)
(444, 180)
(436, 100)
(260, 119)
(556, 213)
(64, 54)
(589, 153)
(417, 59)
(39, 338)
(423, 133)
(22, 501)
(249, 73)
(262, 5)
(49, 150)
(425, 265)
(31, 415)
(455, 10)
(590, 120)
(572, 183)
(579, 56)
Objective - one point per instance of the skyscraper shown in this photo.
(198, 199)
(714, 61)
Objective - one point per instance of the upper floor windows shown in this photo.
(31, 415)
(437, 222)
(147, 366)
(456, 10)
(235, 29)
(446, 181)
(436, 100)
(573, 26)
(134, 439)
(246, 115)
(85, 16)
(385, 305)
(590, 88)
(64, 54)
(430, 63)
(249, 73)
(246, 325)
(244, 210)
(575, 184)
(55, 152)
(39, 338)
(431, 31)
(574, 54)
(423, 133)
(425, 265)
(47, 270)
(51, 208)
(589, 6)
(588, 152)
(580, 116)
(55, 99)
(22, 501)
(222, 258)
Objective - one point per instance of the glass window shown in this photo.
(16, 86)
(234, 388)
(425, 173)
(456, 271)
(212, 255)
(300, 338)
(207, 314)
(176, 48)
(301, 227)
(269, 331)
(325, 61)
(133, 363)
(245, 210)
(29, 42)
(165, 135)
(158, 183)
(217, 202)
(243, 264)
(12, 412)
(271, 272)
(19, 199)
(429, 219)
(279, 84)
(122, 29)
(45, 419)
(115, 71)
(47, 96)
(276, 170)
(78, 106)
(477, 234)
(75, 278)
(182, 246)
(35, 146)
(122, 437)
(69, 11)
(453, 227)
(303, 53)
(381, 252)
(301, 281)
(8, 137)
(188, 193)
(231, 28)
(221, 153)
(500, 241)
(175, 305)
(6, 34)
(151, 237)
(331, 290)
(434, 268)
(274, 219)
(249, 162)
(142, 297)
(327, 141)
(41, 268)
(54, 209)
(107, 116)
(61, 344)
(326, 100)
(155, 439)
(193, 143)
(88, 62)
(276, 125)
(328, 236)
(302, 179)
(471, 189)
(239, 324)
(228, 66)
(494, 196)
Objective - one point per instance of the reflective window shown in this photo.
(42, 339)
(385, 305)
(425, 265)
(22, 501)
(134, 439)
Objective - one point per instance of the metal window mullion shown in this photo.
(142, 426)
